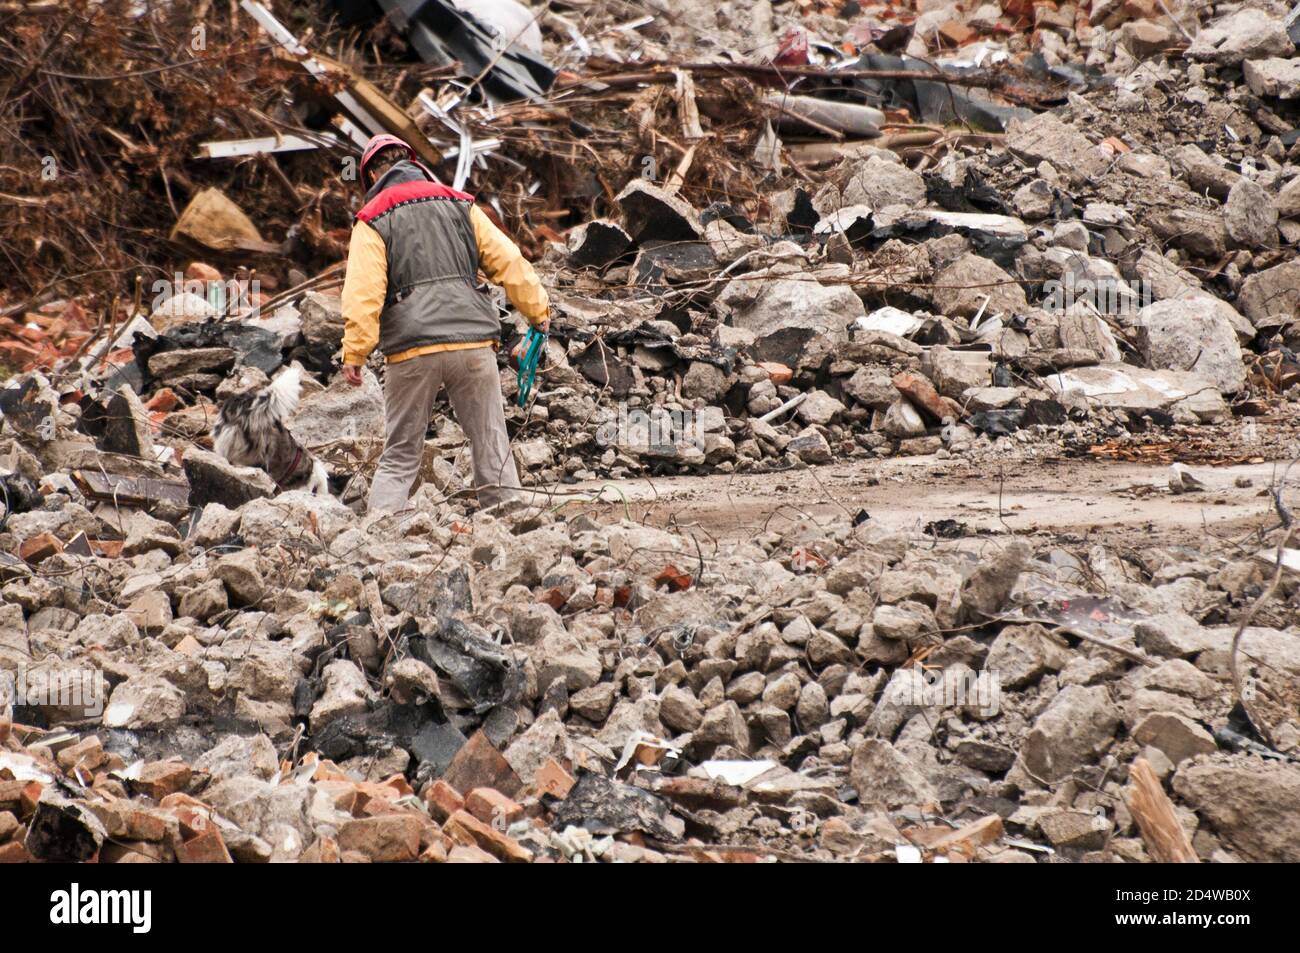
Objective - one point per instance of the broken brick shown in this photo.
(492, 807)
(465, 828)
(777, 373)
(11, 795)
(161, 778)
(391, 838)
(206, 848)
(469, 854)
(29, 797)
(552, 779)
(88, 754)
(135, 852)
(442, 800)
(14, 853)
(956, 32)
(323, 850)
(39, 547)
(478, 764)
(435, 852)
(163, 400)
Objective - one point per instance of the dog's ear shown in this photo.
(282, 396)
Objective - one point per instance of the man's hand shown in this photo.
(517, 352)
(352, 375)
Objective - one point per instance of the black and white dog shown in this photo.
(250, 432)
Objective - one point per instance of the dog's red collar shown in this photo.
(297, 459)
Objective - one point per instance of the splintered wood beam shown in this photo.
(130, 491)
(1166, 841)
(262, 145)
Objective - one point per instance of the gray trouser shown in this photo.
(474, 388)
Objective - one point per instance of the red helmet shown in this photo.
(382, 142)
(378, 143)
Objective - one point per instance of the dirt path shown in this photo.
(1107, 501)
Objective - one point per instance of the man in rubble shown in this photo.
(412, 289)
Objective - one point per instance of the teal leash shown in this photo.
(534, 345)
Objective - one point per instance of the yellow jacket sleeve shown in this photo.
(364, 290)
(504, 265)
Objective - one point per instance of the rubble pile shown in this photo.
(775, 236)
(1082, 272)
(282, 680)
(1092, 270)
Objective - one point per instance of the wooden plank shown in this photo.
(130, 491)
(1166, 841)
(278, 32)
(391, 116)
(263, 145)
(965, 839)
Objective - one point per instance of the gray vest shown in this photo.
(433, 263)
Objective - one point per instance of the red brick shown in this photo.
(207, 848)
(35, 548)
(700, 793)
(551, 778)
(161, 778)
(31, 796)
(164, 399)
(398, 784)
(492, 807)
(465, 828)
(374, 807)
(201, 271)
(13, 853)
(956, 32)
(921, 392)
(11, 793)
(108, 548)
(134, 852)
(392, 838)
(126, 821)
(189, 646)
(383, 792)
(778, 373)
(327, 770)
(469, 854)
(1139, 9)
(173, 801)
(343, 794)
(193, 822)
(323, 850)
(430, 831)
(478, 764)
(435, 853)
(443, 800)
(88, 754)
(146, 825)
(110, 786)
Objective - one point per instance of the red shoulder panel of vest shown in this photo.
(409, 192)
